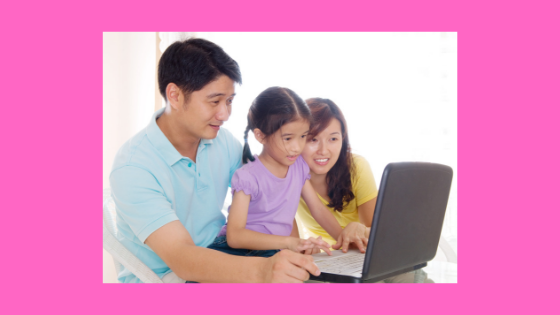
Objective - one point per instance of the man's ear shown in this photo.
(259, 136)
(174, 95)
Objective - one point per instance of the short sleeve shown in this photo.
(235, 151)
(246, 182)
(140, 201)
(364, 188)
(305, 169)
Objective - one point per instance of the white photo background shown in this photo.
(398, 91)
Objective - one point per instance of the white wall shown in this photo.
(129, 65)
(398, 91)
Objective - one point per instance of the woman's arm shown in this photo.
(358, 232)
(365, 212)
(319, 211)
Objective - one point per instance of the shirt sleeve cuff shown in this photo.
(152, 227)
(366, 199)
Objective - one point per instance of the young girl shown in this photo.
(267, 189)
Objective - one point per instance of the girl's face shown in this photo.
(322, 151)
(287, 143)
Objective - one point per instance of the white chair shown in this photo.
(121, 255)
(447, 250)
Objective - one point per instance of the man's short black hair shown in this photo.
(193, 63)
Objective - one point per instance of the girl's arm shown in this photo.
(319, 212)
(240, 237)
(295, 230)
(316, 243)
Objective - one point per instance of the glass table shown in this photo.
(441, 271)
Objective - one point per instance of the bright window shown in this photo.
(398, 91)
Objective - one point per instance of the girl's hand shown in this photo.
(355, 233)
(318, 244)
(309, 246)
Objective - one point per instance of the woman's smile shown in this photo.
(321, 162)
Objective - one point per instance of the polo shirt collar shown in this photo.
(205, 142)
(162, 144)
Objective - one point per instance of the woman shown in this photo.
(343, 181)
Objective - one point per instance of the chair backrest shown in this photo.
(121, 255)
(109, 220)
(447, 250)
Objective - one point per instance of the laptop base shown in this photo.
(335, 278)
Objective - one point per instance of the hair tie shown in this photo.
(245, 140)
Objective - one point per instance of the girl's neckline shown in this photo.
(269, 172)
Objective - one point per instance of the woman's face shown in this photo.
(322, 151)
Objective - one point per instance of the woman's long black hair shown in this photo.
(273, 108)
(339, 177)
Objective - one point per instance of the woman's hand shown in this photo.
(309, 246)
(355, 233)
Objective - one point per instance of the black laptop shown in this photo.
(406, 226)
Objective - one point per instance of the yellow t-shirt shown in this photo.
(364, 189)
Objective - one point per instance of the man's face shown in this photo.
(204, 112)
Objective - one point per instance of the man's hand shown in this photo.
(355, 233)
(288, 267)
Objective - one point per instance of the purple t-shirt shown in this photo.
(274, 201)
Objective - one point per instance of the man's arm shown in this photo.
(174, 245)
(142, 204)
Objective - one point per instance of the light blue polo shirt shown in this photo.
(153, 184)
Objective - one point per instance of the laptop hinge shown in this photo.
(395, 273)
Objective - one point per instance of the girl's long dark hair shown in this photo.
(339, 178)
(273, 108)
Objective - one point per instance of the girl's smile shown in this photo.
(292, 157)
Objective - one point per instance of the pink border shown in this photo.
(52, 84)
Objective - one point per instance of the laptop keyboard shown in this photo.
(350, 263)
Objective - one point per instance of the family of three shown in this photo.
(170, 180)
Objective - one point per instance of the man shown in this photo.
(169, 181)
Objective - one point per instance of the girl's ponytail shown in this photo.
(247, 155)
